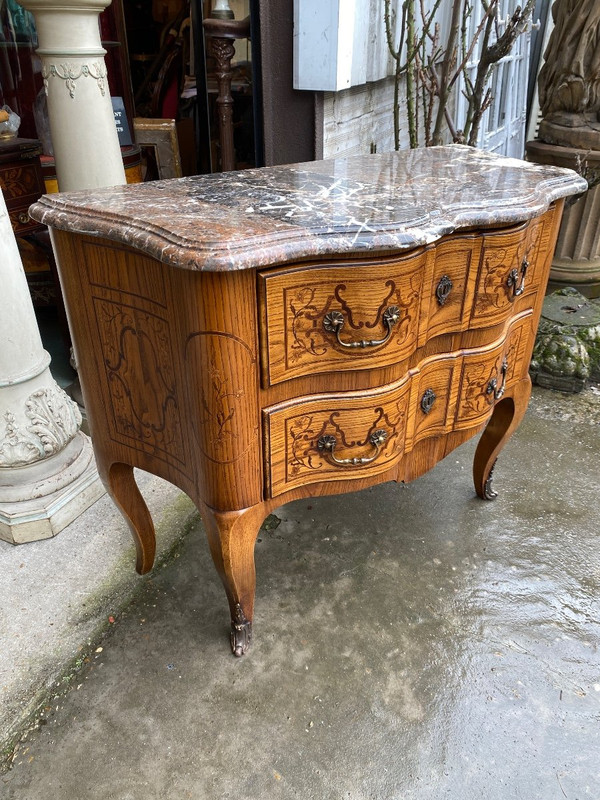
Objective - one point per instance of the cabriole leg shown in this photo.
(505, 419)
(231, 536)
(121, 486)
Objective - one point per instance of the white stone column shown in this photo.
(47, 471)
(84, 134)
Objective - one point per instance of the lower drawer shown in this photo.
(353, 435)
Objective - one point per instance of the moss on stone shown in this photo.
(566, 355)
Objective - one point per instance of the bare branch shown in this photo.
(432, 68)
(467, 56)
(449, 57)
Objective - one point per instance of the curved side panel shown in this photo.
(221, 368)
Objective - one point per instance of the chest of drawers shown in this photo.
(263, 336)
(21, 181)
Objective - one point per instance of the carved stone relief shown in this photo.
(70, 73)
(52, 420)
(569, 81)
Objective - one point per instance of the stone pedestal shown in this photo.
(576, 259)
(47, 471)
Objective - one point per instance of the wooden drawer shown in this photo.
(21, 221)
(374, 302)
(511, 266)
(294, 456)
(485, 377)
(21, 183)
(450, 295)
(319, 319)
(451, 392)
(432, 398)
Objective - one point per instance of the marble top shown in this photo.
(275, 215)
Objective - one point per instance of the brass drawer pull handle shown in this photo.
(427, 401)
(23, 218)
(493, 388)
(443, 289)
(327, 445)
(333, 322)
(513, 280)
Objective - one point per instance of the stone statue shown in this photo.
(569, 81)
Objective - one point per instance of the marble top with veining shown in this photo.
(275, 215)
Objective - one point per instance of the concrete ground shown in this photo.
(410, 643)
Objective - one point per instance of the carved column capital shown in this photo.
(222, 34)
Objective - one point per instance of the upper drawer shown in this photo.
(366, 315)
(21, 221)
(512, 265)
(344, 317)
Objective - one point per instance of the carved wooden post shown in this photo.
(222, 33)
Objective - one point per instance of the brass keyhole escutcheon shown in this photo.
(427, 401)
(443, 289)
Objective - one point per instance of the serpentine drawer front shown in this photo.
(336, 435)
(369, 314)
(262, 336)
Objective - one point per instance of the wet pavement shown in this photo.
(411, 643)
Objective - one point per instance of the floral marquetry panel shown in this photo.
(214, 360)
(486, 375)
(294, 458)
(136, 371)
(20, 182)
(138, 367)
(512, 266)
(300, 338)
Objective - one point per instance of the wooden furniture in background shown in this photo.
(22, 182)
(304, 330)
(132, 163)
